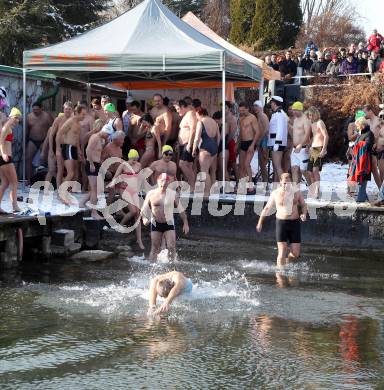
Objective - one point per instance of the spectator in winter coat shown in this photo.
(288, 67)
(319, 66)
(333, 68)
(374, 41)
(374, 62)
(274, 65)
(349, 66)
(306, 63)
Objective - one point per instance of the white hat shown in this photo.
(277, 98)
(129, 99)
(258, 103)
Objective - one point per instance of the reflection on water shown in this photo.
(315, 325)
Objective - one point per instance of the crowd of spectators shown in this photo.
(362, 58)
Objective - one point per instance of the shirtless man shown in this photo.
(164, 165)
(97, 110)
(68, 143)
(92, 167)
(373, 124)
(287, 199)
(38, 124)
(263, 121)
(318, 150)
(168, 286)
(136, 137)
(249, 135)
(186, 137)
(301, 135)
(56, 164)
(158, 208)
(162, 117)
(113, 149)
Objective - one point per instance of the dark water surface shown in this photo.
(317, 325)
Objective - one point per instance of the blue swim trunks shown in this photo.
(188, 287)
(264, 142)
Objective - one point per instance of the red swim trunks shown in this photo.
(232, 150)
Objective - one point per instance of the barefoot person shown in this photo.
(186, 137)
(38, 124)
(164, 165)
(55, 164)
(207, 139)
(168, 286)
(301, 135)
(8, 174)
(128, 182)
(162, 118)
(278, 135)
(291, 209)
(318, 149)
(69, 149)
(92, 167)
(158, 209)
(249, 136)
(146, 128)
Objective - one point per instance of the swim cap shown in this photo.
(298, 106)
(167, 148)
(110, 107)
(60, 114)
(359, 114)
(133, 153)
(15, 112)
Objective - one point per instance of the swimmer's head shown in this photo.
(164, 287)
(163, 180)
(285, 180)
(167, 151)
(133, 155)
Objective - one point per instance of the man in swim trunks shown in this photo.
(186, 137)
(263, 121)
(249, 136)
(69, 149)
(113, 149)
(278, 135)
(291, 209)
(162, 117)
(158, 209)
(92, 167)
(56, 165)
(38, 124)
(168, 286)
(164, 165)
(301, 135)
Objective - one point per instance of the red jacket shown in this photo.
(374, 42)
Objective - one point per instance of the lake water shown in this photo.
(317, 325)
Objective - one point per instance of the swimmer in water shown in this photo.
(291, 209)
(168, 286)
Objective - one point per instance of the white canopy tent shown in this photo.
(146, 43)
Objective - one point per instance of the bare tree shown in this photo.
(216, 15)
(119, 7)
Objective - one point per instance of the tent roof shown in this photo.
(147, 42)
(197, 24)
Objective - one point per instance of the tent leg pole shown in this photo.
(261, 91)
(24, 123)
(88, 93)
(223, 131)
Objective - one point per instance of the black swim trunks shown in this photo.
(184, 154)
(288, 230)
(2, 162)
(379, 155)
(37, 143)
(244, 145)
(88, 168)
(161, 227)
(69, 152)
